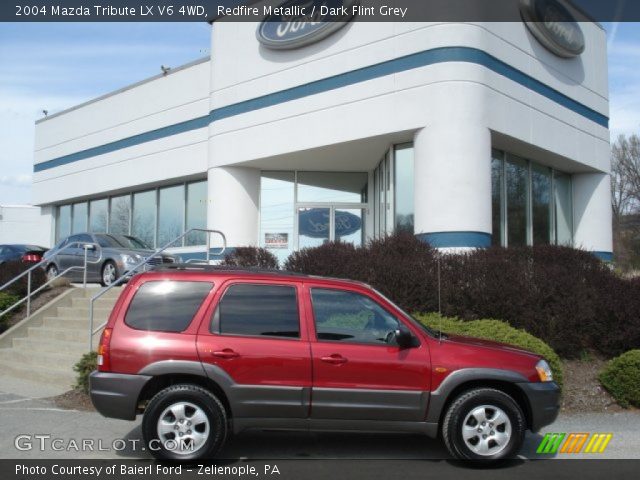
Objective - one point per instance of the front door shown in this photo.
(359, 373)
(319, 224)
(254, 337)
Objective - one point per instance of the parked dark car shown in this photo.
(109, 257)
(28, 254)
(233, 350)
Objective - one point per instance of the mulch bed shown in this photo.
(582, 390)
(73, 400)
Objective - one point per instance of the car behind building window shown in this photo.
(166, 306)
(258, 311)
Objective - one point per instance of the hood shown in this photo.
(478, 342)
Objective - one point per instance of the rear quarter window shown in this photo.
(166, 306)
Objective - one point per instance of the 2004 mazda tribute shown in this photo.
(203, 352)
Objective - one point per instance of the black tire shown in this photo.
(475, 401)
(108, 265)
(193, 395)
(52, 271)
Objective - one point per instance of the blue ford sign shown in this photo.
(315, 223)
(296, 23)
(553, 25)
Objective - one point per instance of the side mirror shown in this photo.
(404, 338)
(89, 246)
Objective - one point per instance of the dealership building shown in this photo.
(466, 134)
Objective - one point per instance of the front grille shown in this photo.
(154, 261)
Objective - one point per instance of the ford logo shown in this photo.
(296, 23)
(554, 26)
(315, 223)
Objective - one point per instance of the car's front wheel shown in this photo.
(184, 422)
(483, 424)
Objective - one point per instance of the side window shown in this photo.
(350, 317)
(166, 306)
(258, 311)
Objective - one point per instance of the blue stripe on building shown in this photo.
(397, 65)
(456, 239)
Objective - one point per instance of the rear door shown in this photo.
(359, 373)
(254, 340)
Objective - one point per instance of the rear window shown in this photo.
(166, 306)
(258, 311)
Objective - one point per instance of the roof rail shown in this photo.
(223, 268)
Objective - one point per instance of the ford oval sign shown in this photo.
(297, 23)
(553, 25)
(315, 223)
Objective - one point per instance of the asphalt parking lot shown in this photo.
(37, 422)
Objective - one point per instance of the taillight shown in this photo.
(31, 258)
(104, 360)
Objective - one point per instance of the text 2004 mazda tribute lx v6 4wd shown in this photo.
(204, 352)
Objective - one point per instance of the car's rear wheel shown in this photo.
(109, 273)
(483, 424)
(52, 272)
(184, 422)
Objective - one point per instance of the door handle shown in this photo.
(335, 359)
(226, 353)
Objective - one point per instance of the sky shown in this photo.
(54, 66)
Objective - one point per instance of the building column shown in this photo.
(234, 196)
(452, 186)
(592, 214)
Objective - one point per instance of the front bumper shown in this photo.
(115, 395)
(544, 401)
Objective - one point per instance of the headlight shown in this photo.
(131, 259)
(544, 371)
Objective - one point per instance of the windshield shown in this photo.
(108, 241)
(411, 318)
(133, 242)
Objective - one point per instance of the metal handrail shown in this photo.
(86, 245)
(127, 274)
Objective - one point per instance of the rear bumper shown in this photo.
(544, 401)
(115, 395)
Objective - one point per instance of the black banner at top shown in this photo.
(319, 10)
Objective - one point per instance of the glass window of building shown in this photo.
(277, 213)
(170, 215)
(63, 227)
(497, 174)
(98, 215)
(563, 209)
(314, 227)
(196, 212)
(332, 187)
(144, 217)
(79, 217)
(517, 173)
(404, 207)
(532, 204)
(541, 204)
(120, 216)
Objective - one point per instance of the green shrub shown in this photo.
(621, 378)
(6, 300)
(497, 331)
(87, 364)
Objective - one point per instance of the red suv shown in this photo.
(204, 352)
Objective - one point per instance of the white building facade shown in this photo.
(466, 134)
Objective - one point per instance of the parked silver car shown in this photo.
(109, 257)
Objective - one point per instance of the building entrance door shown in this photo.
(319, 224)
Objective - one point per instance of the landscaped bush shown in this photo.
(6, 300)
(87, 364)
(250, 257)
(10, 270)
(499, 332)
(564, 296)
(621, 378)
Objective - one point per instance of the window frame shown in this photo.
(312, 317)
(212, 326)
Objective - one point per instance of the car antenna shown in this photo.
(439, 299)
